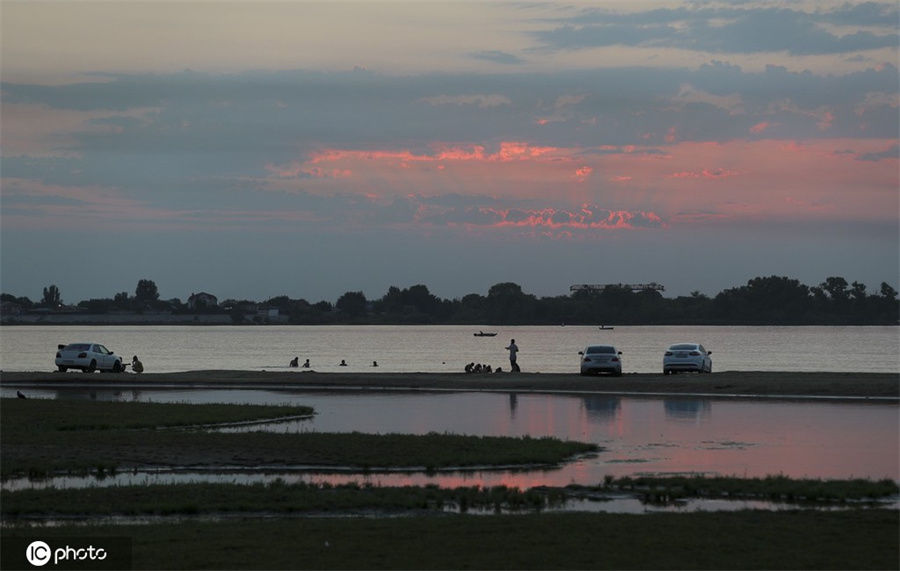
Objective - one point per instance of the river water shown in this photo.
(449, 348)
(657, 436)
(639, 435)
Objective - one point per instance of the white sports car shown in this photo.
(88, 357)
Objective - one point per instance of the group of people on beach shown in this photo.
(513, 364)
(469, 368)
(479, 368)
(295, 362)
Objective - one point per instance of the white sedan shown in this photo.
(687, 357)
(88, 357)
(596, 359)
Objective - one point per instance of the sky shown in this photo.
(255, 149)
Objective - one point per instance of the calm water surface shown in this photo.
(449, 348)
(639, 435)
(745, 438)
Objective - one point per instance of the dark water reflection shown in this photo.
(748, 438)
(690, 410)
(614, 504)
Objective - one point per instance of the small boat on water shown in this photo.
(606, 328)
(483, 334)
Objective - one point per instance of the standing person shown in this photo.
(513, 349)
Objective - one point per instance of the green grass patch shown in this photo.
(774, 488)
(276, 497)
(280, 497)
(24, 417)
(40, 438)
(855, 539)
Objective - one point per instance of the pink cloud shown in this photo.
(745, 179)
(514, 150)
(581, 220)
(548, 219)
(582, 173)
(295, 169)
(705, 173)
(511, 168)
(508, 151)
(760, 127)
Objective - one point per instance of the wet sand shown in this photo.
(728, 383)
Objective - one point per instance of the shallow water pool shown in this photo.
(639, 436)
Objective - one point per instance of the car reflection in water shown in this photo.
(98, 395)
(602, 408)
(687, 409)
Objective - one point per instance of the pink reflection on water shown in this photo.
(748, 438)
(639, 435)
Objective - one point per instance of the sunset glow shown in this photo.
(491, 133)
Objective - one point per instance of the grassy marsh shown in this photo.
(855, 539)
(773, 488)
(282, 498)
(275, 498)
(46, 436)
(22, 417)
(39, 438)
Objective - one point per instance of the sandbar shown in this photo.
(880, 386)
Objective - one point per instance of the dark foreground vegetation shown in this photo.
(854, 539)
(44, 437)
(773, 300)
(280, 498)
(772, 488)
(276, 498)
(280, 525)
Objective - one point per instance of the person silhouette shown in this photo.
(295, 361)
(136, 365)
(513, 349)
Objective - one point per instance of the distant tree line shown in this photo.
(764, 300)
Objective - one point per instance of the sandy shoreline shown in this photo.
(743, 383)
